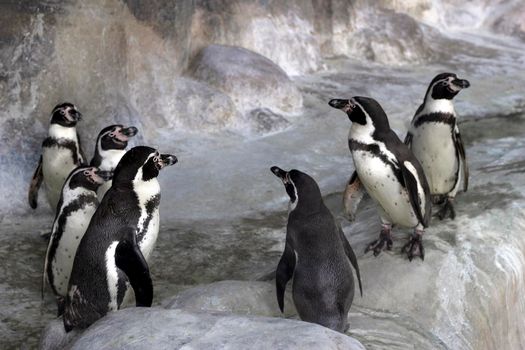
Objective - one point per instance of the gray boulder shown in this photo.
(153, 328)
(251, 80)
(54, 336)
(237, 297)
(199, 107)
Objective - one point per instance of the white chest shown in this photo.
(434, 147)
(57, 163)
(383, 186)
(110, 159)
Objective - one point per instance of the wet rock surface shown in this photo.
(237, 297)
(141, 328)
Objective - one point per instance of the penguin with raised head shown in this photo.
(317, 255)
(436, 142)
(61, 153)
(390, 173)
(118, 241)
(109, 149)
(77, 205)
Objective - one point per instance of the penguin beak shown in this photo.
(130, 131)
(344, 105)
(76, 114)
(105, 175)
(165, 160)
(460, 83)
(124, 134)
(280, 173)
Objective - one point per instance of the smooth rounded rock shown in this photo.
(153, 328)
(236, 297)
(251, 80)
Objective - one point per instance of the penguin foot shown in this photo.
(385, 237)
(447, 210)
(414, 247)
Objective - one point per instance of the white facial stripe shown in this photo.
(359, 132)
(111, 157)
(293, 205)
(363, 134)
(112, 275)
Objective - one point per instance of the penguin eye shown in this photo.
(86, 172)
(62, 112)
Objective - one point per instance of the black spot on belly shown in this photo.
(151, 205)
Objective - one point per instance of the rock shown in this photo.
(251, 80)
(394, 40)
(196, 106)
(153, 328)
(263, 121)
(54, 336)
(236, 297)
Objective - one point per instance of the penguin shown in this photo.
(118, 241)
(317, 255)
(61, 153)
(109, 149)
(390, 173)
(436, 142)
(77, 205)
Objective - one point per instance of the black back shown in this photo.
(323, 285)
(118, 210)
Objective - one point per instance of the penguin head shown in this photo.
(445, 86)
(88, 177)
(65, 114)
(115, 137)
(363, 111)
(140, 163)
(303, 191)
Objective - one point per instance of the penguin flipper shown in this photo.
(413, 182)
(78, 311)
(36, 181)
(463, 157)
(130, 260)
(353, 195)
(351, 256)
(82, 160)
(408, 139)
(284, 272)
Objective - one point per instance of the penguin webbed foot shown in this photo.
(385, 237)
(447, 210)
(414, 247)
